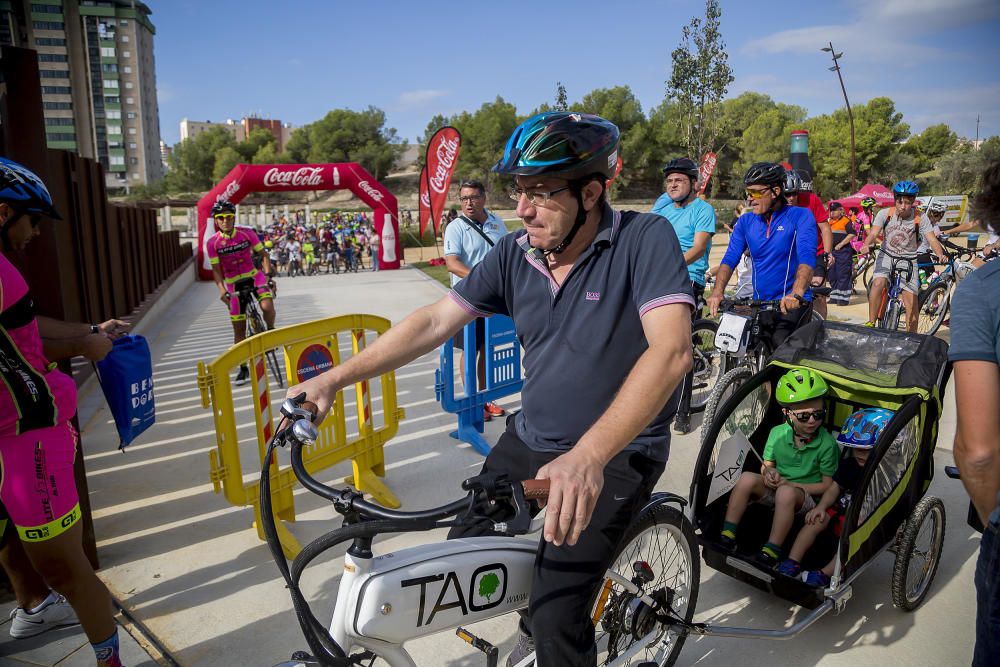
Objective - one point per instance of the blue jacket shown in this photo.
(776, 249)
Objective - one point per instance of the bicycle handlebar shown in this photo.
(302, 432)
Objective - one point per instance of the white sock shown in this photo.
(53, 597)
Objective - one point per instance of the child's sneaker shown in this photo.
(816, 578)
(790, 568)
(727, 543)
(766, 560)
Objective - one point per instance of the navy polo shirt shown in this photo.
(582, 339)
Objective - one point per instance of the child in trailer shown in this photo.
(860, 432)
(799, 461)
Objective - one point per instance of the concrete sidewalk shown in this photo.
(191, 569)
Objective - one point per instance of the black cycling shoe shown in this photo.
(682, 424)
(243, 376)
(727, 543)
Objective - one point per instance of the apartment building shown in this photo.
(98, 78)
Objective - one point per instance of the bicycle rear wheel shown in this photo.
(659, 554)
(707, 363)
(726, 387)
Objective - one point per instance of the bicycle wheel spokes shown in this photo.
(707, 363)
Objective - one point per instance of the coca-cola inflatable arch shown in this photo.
(247, 178)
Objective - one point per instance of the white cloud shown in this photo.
(866, 43)
(933, 14)
(410, 99)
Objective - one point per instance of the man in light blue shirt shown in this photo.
(467, 240)
(693, 220)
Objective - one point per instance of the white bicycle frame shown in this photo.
(386, 600)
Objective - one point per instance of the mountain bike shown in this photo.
(864, 266)
(641, 612)
(246, 292)
(891, 310)
(935, 300)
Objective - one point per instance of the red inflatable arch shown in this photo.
(247, 178)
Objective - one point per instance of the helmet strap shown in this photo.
(581, 218)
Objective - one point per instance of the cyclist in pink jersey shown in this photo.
(231, 252)
(38, 442)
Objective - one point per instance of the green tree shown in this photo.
(225, 160)
(192, 161)
(258, 138)
(562, 102)
(959, 171)
(343, 135)
(488, 585)
(700, 78)
(878, 130)
(930, 145)
(621, 107)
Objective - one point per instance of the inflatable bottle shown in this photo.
(799, 158)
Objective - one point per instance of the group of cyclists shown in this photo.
(340, 242)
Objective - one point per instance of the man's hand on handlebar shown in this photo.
(576, 480)
(713, 302)
(224, 297)
(317, 394)
(790, 302)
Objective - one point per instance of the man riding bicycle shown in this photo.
(782, 241)
(693, 220)
(231, 253)
(903, 228)
(797, 195)
(601, 300)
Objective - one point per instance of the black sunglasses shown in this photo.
(806, 415)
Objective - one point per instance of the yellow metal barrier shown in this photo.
(308, 349)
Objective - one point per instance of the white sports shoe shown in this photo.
(54, 615)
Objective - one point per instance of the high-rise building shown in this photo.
(98, 77)
(241, 129)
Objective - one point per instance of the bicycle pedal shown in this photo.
(491, 651)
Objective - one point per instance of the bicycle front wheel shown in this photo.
(707, 363)
(726, 387)
(934, 306)
(659, 554)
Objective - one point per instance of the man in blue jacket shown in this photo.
(782, 243)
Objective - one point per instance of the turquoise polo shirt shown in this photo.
(695, 216)
(467, 244)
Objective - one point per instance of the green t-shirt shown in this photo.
(806, 465)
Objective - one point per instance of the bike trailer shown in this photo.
(863, 367)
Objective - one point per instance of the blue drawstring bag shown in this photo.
(126, 376)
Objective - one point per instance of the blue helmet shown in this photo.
(862, 428)
(906, 188)
(24, 191)
(563, 144)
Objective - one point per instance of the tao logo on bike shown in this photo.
(486, 589)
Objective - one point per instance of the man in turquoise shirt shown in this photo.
(693, 220)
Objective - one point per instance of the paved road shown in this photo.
(189, 566)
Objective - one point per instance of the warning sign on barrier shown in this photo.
(312, 361)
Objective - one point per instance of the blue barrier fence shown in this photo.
(503, 377)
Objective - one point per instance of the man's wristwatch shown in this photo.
(95, 329)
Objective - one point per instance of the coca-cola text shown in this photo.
(446, 152)
(299, 177)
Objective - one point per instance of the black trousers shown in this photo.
(687, 384)
(566, 578)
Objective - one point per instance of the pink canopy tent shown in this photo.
(882, 195)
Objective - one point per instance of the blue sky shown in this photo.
(296, 60)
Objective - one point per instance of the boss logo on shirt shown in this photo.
(593, 296)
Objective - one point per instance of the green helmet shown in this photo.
(800, 384)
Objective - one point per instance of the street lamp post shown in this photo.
(850, 114)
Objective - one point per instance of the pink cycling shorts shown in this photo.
(38, 488)
(263, 292)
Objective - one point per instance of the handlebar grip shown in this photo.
(536, 489)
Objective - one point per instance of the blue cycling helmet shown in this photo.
(563, 144)
(24, 191)
(908, 188)
(862, 428)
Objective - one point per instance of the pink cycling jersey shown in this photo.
(234, 255)
(33, 393)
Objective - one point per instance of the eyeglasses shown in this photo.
(226, 216)
(469, 198)
(535, 197)
(818, 415)
(757, 194)
(34, 218)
